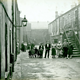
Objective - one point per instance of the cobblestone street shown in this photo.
(46, 69)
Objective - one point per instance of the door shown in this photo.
(6, 65)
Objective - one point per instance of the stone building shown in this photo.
(39, 32)
(39, 36)
(8, 18)
(67, 26)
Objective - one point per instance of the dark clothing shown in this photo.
(65, 49)
(29, 46)
(22, 47)
(47, 49)
(53, 51)
(70, 51)
(41, 48)
(30, 53)
(36, 52)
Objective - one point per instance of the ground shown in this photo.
(46, 68)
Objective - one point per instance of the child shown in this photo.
(36, 52)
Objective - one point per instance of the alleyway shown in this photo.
(46, 69)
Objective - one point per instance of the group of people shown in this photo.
(64, 50)
(35, 52)
(60, 50)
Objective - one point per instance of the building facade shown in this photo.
(8, 18)
(66, 26)
(39, 36)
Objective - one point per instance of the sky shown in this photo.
(43, 10)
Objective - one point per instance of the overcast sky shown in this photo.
(43, 10)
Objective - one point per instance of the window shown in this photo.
(55, 40)
(76, 17)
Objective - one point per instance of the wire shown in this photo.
(6, 13)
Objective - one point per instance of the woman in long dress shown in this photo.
(53, 51)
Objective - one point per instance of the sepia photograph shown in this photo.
(39, 39)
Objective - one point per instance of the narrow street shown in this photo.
(46, 69)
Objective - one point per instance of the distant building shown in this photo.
(39, 36)
(39, 32)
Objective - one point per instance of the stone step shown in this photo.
(76, 55)
(75, 50)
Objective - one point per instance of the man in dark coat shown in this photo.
(41, 48)
(47, 49)
(22, 46)
(65, 48)
(70, 50)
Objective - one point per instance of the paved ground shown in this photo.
(46, 69)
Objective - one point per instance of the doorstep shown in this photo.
(6, 75)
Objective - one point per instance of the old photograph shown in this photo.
(39, 39)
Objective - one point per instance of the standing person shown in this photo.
(33, 52)
(59, 47)
(41, 48)
(22, 46)
(47, 49)
(36, 52)
(53, 51)
(70, 51)
(65, 48)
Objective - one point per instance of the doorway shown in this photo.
(6, 62)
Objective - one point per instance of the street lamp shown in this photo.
(24, 21)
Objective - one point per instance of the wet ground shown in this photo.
(46, 69)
